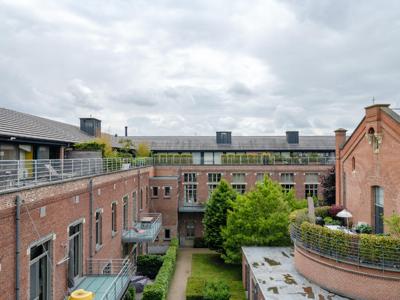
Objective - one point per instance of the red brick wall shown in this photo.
(61, 210)
(348, 280)
(371, 169)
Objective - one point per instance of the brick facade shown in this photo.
(369, 158)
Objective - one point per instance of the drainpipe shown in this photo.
(17, 246)
(91, 217)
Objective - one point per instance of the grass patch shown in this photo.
(208, 266)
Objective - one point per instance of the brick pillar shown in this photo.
(340, 139)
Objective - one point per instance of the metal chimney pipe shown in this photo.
(126, 130)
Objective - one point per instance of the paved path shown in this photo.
(182, 272)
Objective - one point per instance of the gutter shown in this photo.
(91, 217)
(17, 246)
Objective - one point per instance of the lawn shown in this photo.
(208, 266)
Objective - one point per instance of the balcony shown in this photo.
(146, 230)
(15, 174)
(186, 207)
(108, 279)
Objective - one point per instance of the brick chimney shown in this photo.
(340, 139)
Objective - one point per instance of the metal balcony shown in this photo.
(108, 279)
(146, 230)
(186, 207)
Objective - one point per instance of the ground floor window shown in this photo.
(40, 271)
(311, 190)
(239, 188)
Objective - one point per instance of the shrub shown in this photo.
(364, 228)
(393, 224)
(301, 215)
(194, 288)
(330, 221)
(334, 210)
(159, 289)
(149, 265)
(130, 294)
(379, 249)
(216, 290)
(199, 242)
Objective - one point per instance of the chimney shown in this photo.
(292, 137)
(91, 126)
(126, 130)
(224, 137)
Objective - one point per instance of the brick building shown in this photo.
(367, 166)
(62, 221)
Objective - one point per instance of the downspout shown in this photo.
(17, 246)
(91, 217)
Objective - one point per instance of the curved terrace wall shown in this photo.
(346, 279)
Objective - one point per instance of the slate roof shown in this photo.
(13, 123)
(239, 143)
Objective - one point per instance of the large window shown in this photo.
(238, 177)
(75, 250)
(239, 188)
(287, 181)
(113, 217)
(190, 193)
(260, 177)
(99, 229)
(211, 188)
(40, 271)
(134, 206)
(8, 152)
(213, 180)
(311, 185)
(377, 192)
(190, 187)
(125, 213)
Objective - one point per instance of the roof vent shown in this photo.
(91, 126)
(292, 137)
(224, 137)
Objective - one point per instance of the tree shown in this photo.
(258, 218)
(216, 213)
(328, 183)
(143, 150)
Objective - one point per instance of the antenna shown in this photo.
(373, 100)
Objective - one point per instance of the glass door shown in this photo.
(379, 204)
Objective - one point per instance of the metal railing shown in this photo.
(121, 270)
(146, 229)
(349, 250)
(19, 173)
(245, 160)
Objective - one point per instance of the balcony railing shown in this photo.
(146, 230)
(108, 279)
(351, 251)
(20, 173)
(191, 206)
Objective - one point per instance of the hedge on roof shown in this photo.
(159, 289)
(173, 158)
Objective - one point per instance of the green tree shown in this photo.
(216, 213)
(258, 218)
(143, 150)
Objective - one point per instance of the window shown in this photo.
(75, 249)
(287, 181)
(312, 178)
(113, 217)
(353, 163)
(154, 191)
(214, 177)
(141, 198)
(190, 230)
(189, 177)
(311, 190)
(239, 188)
(40, 271)
(167, 191)
(211, 188)
(134, 206)
(99, 230)
(125, 213)
(260, 177)
(377, 193)
(167, 234)
(238, 177)
(190, 193)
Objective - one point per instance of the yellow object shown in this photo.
(81, 295)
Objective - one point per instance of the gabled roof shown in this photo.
(239, 143)
(13, 123)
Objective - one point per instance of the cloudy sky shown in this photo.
(193, 67)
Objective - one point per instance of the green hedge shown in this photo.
(301, 215)
(173, 158)
(379, 249)
(149, 265)
(199, 288)
(159, 289)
